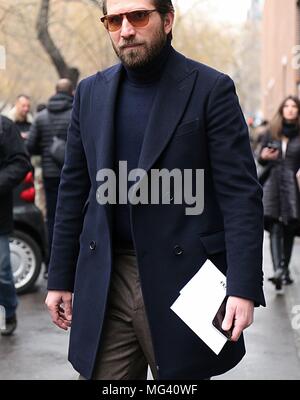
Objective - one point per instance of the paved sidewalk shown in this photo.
(38, 350)
(273, 347)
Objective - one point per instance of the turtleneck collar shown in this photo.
(151, 72)
(290, 130)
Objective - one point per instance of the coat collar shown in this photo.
(173, 94)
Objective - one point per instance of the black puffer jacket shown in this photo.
(281, 194)
(14, 164)
(53, 121)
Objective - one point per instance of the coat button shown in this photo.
(93, 245)
(178, 250)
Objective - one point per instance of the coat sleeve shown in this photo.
(73, 192)
(238, 191)
(33, 140)
(15, 164)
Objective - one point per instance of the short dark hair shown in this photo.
(162, 6)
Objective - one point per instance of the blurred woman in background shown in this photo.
(280, 154)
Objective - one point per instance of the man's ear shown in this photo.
(169, 22)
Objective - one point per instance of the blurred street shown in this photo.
(199, 88)
(38, 350)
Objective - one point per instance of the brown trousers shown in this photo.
(126, 347)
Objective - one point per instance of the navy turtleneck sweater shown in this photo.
(137, 91)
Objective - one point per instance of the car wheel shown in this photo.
(26, 260)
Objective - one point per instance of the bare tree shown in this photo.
(63, 69)
(247, 66)
(72, 41)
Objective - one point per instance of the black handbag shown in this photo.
(57, 150)
(264, 173)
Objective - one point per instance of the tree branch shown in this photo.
(63, 69)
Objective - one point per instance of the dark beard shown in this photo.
(134, 59)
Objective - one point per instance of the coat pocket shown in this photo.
(187, 128)
(214, 243)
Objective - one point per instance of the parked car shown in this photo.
(28, 242)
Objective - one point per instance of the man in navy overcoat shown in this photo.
(155, 110)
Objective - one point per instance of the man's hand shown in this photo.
(59, 304)
(239, 316)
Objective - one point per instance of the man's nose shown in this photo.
(127, 30)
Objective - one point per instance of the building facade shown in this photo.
(280, 71)
(255, 10)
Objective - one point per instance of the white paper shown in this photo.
(198, 303)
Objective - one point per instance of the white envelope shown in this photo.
(198, 303)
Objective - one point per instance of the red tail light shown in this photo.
(29, 178)
(28, 195)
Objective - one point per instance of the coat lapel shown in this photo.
(172, 97)
(106, 96)
(106, 92)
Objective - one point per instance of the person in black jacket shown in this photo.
(281, 156)
(14, 164)
(52, 121)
